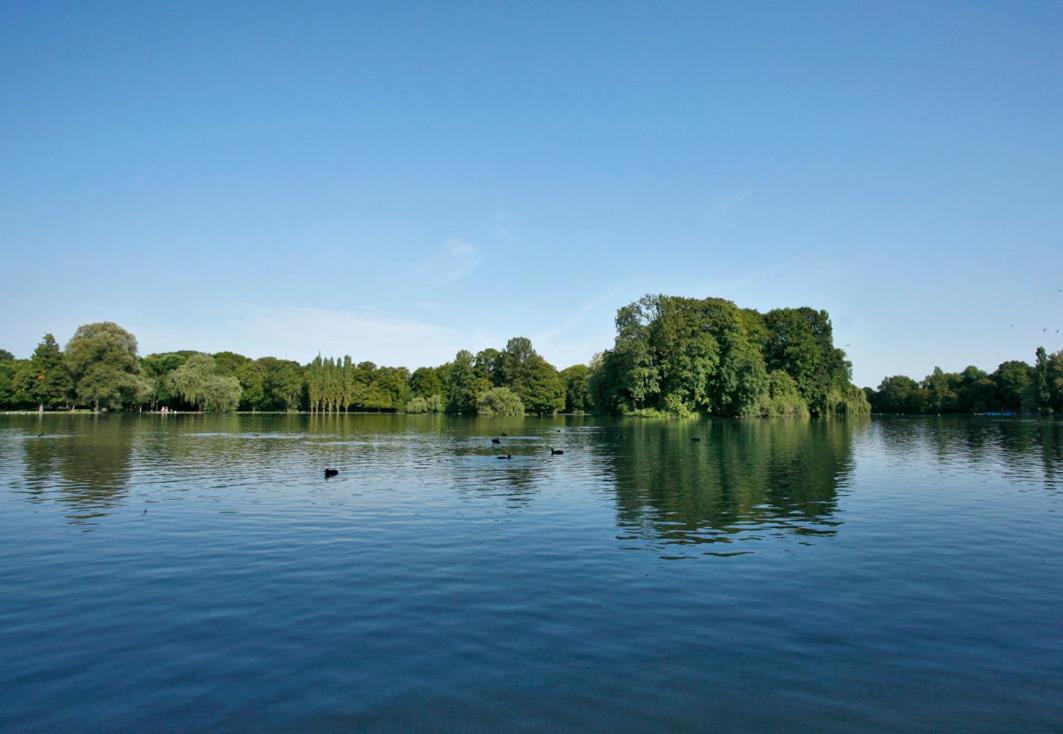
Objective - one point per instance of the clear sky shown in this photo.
(400, 180)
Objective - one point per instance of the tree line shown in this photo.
(1014, 387)
(671, 356)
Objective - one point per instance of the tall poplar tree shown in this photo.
(51, 385)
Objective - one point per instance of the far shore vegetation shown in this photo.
(672, 356)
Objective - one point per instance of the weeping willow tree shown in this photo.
(499, 401)
(198, 382)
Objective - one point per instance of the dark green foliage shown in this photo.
(426, 382)
(1055, 380)
(899, 394)
(22, 379)
(6, 356)
(282, 385)
(1013, 380)
(51, 385)
(7, 371)
(1042, 391)
(228, 363)
(686, 356)
(940, 393)
(800, 342)
(252, 377)
(977, 392)
(1015, 386)
(535, 381)
(576, 380)
(464, 385)
(489, 366)
(339, 385)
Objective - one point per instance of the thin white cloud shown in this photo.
(577, 338)
(454, 261)
(722, 207)
(299, 333)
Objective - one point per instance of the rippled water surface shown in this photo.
(199, 573)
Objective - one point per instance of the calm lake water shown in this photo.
(199, 573)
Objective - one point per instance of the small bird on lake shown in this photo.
(556, 452)
(504, 456)
(496, 440)
(696, 438)
(505, 434)
(331, 473)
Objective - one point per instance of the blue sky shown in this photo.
(400, 180)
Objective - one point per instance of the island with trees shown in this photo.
(672, 356)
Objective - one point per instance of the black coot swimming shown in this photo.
(331, 473)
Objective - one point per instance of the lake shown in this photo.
(199, 573)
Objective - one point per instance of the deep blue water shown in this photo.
(199, 573)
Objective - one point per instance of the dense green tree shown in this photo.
(426, 382)
(940, 395)
(282, 384)
(542, 389)
(899, 394)
(22, 380)
(392, 387)
(500, 401)
(1013, 380)
(781, 398)
(228, 363)
(576, 380)
(6, 356)
(8, 368)
(535, 381)
(978, 392)
(155, 371)
(490, 365)
(1042, 389)
(688, 356)
(631, 361)
(51, 385)
(464, 385)
(252, 377)
(102, 359)
(1055, 380)
(199, 382)
(800, 342)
